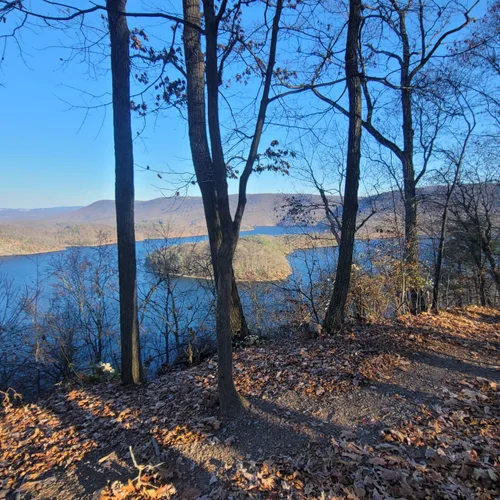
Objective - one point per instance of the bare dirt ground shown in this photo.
(394, 410)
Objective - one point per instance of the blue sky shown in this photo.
(54, 152)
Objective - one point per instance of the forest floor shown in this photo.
(406, 409)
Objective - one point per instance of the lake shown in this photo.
(171, 315)
(181, 309)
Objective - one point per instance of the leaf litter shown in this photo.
(306, 433)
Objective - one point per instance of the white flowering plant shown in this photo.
(104, 372)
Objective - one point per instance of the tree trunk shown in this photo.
(439, 263)
(336, 308)
(202, 159)
(229, 399)
(410, 203)
(211, 169)
(494, 271)
(482, 288)
(417, 302)
(442, 238)
(460, 290)
(221, 251)
(124, 192)
(239, 326)
(444, 225)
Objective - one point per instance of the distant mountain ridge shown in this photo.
(261, 209)
(49, 230)
(45, 230)
(8, 215)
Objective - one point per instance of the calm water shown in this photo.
(23, 270)
(193, 300)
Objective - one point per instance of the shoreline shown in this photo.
(112, 241)
(62, 248)
(283, 246)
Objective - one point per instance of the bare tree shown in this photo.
(476, 211)
(336, 309)
(409, 40)
(479, 53)
(209, 161)
(174, 306)
(85, 284)
(124, 191)
(11, 324)
(453, 158)
(124, 163)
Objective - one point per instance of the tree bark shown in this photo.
(239, 326)
(482, 288)
(336, 308)
(124, 191)
(439, 262)
(230, 401)
(409, 180)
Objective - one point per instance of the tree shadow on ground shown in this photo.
(264, 430)
(267, 429)
(455, 363)
(481, 316)
(439, 348)
(491, 346)
(111, 459)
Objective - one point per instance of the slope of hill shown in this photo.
(408, 409)
(43, 230)
(257, 258)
